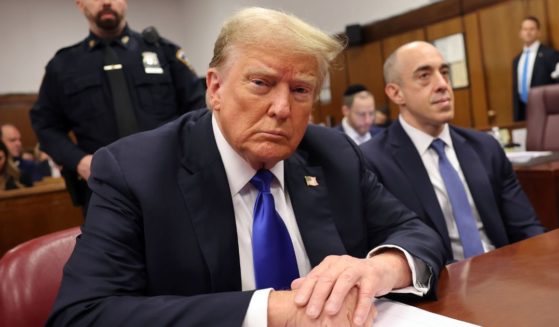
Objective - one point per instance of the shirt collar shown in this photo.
(238, 171)
(421, 140)
(352, 133)
(533, 48)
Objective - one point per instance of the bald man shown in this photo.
(468, 192)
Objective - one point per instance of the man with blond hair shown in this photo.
(243, 214)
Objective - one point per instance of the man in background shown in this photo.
(359, 114)
(458, 180)
(114, 83)
(533, 67)
(11, 136)
(244, 215)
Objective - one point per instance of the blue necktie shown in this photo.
(524, 81)
(275, 264)
(465, 221)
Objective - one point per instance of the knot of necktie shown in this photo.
(438, 145)
(262, 180)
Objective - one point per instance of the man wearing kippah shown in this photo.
(359, 114)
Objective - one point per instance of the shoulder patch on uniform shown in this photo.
(181, 56)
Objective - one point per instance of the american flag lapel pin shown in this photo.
(311, 181)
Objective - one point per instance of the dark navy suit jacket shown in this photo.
(544, 65)
(505, 211)
(159, 245)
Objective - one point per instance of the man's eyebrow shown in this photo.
(423, 68)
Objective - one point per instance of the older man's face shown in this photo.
(262, 100)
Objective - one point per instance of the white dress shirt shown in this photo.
(352, 133)
(531, 60)
(244, 195)
(422, 142)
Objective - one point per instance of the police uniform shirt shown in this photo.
(75, 93)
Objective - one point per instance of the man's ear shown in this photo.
(345, 110)
(395, 94)
(213, 85)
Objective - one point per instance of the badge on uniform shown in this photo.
(151, 63)
(311, 181)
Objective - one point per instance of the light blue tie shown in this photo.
(275, 264)
(465, 221)
(524, 81)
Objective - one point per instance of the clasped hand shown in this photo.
(340, 290)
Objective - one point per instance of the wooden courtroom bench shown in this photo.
(35, 211)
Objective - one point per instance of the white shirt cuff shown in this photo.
(257, 312)
(420, 273)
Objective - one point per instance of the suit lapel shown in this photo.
(406, 156)
(536, 68)
(206, 193)
(310, 205)
(477, 179)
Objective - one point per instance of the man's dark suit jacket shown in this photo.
(159, 245)
(505, 211)
(544, 65)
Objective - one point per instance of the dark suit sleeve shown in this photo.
(519, 217)
(390, 222)
(106, 282)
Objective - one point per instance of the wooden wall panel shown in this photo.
(499, 27)
(412, 20)
(462, 108)
(390, 44)
(330, 113)
(462, 115)
(552, 10)
(537, 8)
(14, 109)
(364, 66)
(442, 29)
(476, 73)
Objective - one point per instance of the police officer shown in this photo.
(113, 83)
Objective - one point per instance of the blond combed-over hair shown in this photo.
(275, 30)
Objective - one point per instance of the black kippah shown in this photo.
(354, 88)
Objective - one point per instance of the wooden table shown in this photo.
(516, 285)
(541, 184)
(35, 211)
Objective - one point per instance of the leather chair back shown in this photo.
(30, 275)
(542, 118)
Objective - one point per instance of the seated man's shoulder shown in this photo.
(475, 137)
(320, 137)
(161, 141)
